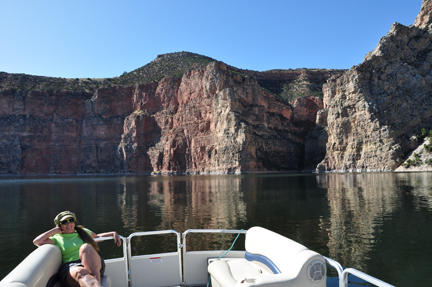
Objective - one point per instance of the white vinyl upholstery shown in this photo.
(37, 268)
(289, 258)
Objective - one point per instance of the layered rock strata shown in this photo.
(376, 109)
(214, 121)
(211, 120)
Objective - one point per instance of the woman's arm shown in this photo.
(114, 234)
(44, 238)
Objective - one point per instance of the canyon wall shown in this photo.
(211, 120)
(377, 109)
(201, 116)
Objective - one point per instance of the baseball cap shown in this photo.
(63, 215)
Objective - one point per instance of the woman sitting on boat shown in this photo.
(82, 265)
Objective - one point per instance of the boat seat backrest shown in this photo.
(276, 249)
(36, 269)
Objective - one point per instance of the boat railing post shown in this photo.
(129, 252)
(364, 276)
(339, 269)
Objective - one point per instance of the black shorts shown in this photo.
(64, 269)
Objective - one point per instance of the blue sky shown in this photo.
(100, 39)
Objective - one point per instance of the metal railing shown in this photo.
(363, 276)
(182, 249)
(207, 231)
(148, 233)
(124, 242)
(344, 273)
(179, 280)
(125, 246)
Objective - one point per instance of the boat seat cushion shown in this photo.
(276, 248)
(270, 259)
(236, 269)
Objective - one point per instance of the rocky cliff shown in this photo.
(377, 109)
(211, 119)
(186, 113)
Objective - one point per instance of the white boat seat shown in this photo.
(36, 269)
(39, 269)
(271, 259)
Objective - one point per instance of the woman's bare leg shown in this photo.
(91, 260)
(89, 275)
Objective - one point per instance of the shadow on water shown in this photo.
(376, 222)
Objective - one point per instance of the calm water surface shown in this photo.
(379, 223)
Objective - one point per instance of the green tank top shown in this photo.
(69, 245)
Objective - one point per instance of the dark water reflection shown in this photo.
(378, 223)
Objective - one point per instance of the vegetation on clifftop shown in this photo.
(308, 83)
(288, 84)
(25, 83)
(291, 84)
(167, 65)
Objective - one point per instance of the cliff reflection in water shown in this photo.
(182, 203)
(358, 205)
(206, 203)
(378, 223)
(420, 184)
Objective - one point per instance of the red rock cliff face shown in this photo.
(213, 121)
(209, 121)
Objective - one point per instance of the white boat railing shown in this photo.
(363, 276)
(344, 273)
(339, 270)
(187, 278)
(151, 269)
(117, 267)
(195, 262)
(227, 231)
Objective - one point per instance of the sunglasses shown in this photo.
(66, 221)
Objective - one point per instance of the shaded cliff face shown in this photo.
(61, 132)
(376, 109)
(294, 83)
(211, 120)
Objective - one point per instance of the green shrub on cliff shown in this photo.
(167, 65)
(291, 84)
(428, 147)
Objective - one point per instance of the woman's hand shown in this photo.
(44, 238)
(117, 238)
(114, 234)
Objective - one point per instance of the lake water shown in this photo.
(379, 223)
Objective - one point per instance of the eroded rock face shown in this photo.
(376, 109)
(225, 123)
(210, 121)
(424, 18)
